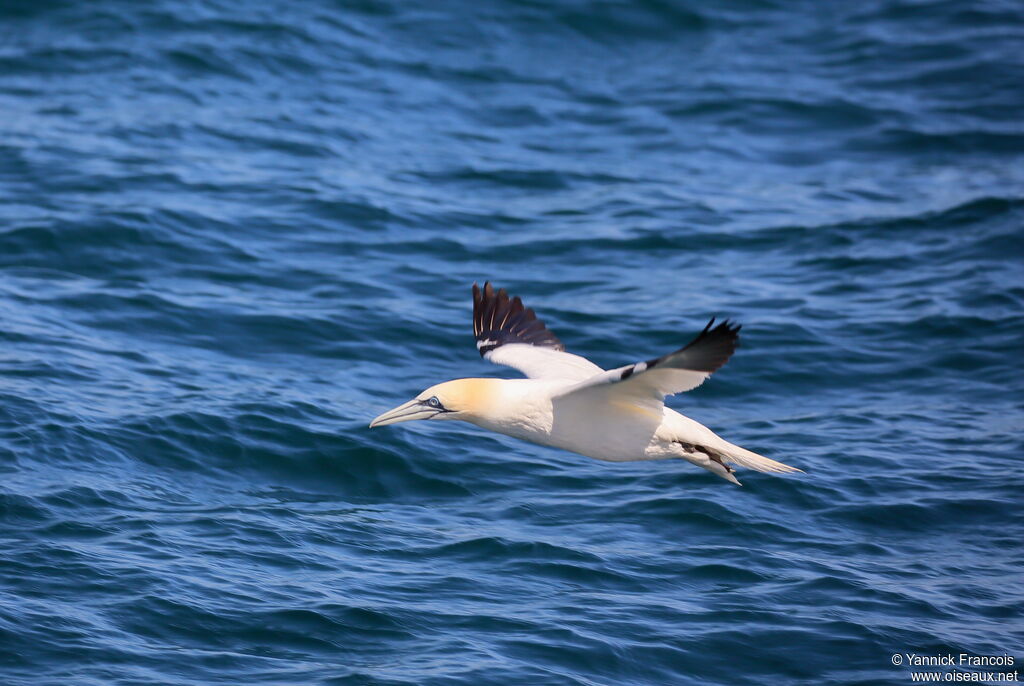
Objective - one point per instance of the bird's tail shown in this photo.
(734, 454)
(718, 455)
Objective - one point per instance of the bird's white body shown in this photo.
(534, 410)
(529, 410)
(569, 402)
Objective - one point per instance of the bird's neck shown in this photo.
(515, 407)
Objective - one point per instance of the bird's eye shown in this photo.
(434, 402)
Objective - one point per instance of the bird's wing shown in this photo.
(510, 334)
(647, 383)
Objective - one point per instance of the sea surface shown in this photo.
(233, 233)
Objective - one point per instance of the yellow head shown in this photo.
(464, 399)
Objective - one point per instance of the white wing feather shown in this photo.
(543, 363)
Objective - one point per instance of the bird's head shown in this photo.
(465, 399)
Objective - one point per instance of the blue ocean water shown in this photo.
(231, 234)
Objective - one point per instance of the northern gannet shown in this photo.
(569, 402)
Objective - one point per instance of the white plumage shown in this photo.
(569, 402)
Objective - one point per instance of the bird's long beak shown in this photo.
(410, 411)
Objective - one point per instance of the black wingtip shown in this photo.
(713, 346)
(499, 320)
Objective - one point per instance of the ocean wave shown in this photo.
(230, 240)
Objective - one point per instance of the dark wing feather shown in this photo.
(676, 372)
(711, 349)
(499, 320)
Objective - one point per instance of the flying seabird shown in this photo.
(569, 402)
